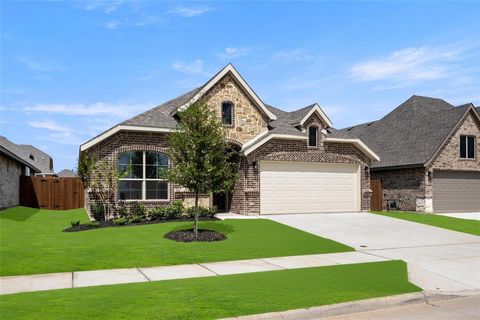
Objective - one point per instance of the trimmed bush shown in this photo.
(98, 211)
(138, 210)
(136, 219)
(175, 210)
(93, 224)
(122, 211)
(202, 212)
(120, 221)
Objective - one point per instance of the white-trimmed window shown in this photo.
(467, 147)
(312, 136)
(145, 178)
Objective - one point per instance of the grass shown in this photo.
(215, 297)
(455, 224)
(32, 242)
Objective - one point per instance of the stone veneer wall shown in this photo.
(248, 121)
(10, 172)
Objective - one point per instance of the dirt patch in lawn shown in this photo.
(189, 235)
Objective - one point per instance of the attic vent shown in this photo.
(348, 129)
(368, 125)
(32, 157)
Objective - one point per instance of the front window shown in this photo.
(312, 136)
(227, 113)
(467, 147)
(143, 175)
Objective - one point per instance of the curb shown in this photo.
(342, 308)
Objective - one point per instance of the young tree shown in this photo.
(200, 154)
(103, 183)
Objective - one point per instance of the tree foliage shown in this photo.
(200, 153)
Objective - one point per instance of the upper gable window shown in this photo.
(467, 147)
(227, 113)
(312, 136)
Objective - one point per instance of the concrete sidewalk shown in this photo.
(52, 281)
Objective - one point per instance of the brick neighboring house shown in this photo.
(17, 160)
(429, 155)
(289, 162)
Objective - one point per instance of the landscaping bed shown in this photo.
(445, 222)
(33, 242)
(189, 235)
(115, 223)
(215, 297)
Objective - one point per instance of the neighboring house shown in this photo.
(429, 155)
(289, 162)
(17, 160)
(67, 173)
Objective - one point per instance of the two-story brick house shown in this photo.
(289, 162)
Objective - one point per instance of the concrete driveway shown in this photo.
(439, 260)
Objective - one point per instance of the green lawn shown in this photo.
(215, 297)
(32, 242)
(455, 224)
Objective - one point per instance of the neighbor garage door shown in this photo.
(292, 187)
(456, 191)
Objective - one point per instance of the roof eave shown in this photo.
(359, 144)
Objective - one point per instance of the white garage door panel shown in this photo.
(289, 187)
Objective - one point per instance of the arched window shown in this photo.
(312, 136)
(227, 113)
(143, 176)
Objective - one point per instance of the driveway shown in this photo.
(439, 260)
(463, 215)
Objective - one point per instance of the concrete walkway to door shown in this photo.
(439, 260)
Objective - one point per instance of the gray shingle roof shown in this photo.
(411, 133)
(160, 116)
(22, 153)
(67, 173)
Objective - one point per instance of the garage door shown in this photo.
(456, 191)
(292, 187)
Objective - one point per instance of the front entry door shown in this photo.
(221, 201)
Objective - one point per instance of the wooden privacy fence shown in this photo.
(376, 202)
(51, 193)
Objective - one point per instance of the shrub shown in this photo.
(138, 210)
(74, 223)
(120, 221)
(98, 211)
(175, 210)
(136, 219)
(122, 210)
(156, 213)
(93, 224)
(202, 212)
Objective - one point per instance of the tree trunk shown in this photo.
(195, 224)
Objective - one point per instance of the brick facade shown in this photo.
(248, 123)
(414, 186)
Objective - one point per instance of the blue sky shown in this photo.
(70, 70)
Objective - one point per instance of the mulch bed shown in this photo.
(110, 223)
(189, 235)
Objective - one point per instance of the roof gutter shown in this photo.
(359, 144)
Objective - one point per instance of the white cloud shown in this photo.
(232, 52)
(49, 125)
(37, 66)
(188, 12)
(99, 108)
(114, 24)
(294, 55)
(409, 64)
(105, 6)
(147, 21)
(194, 67)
